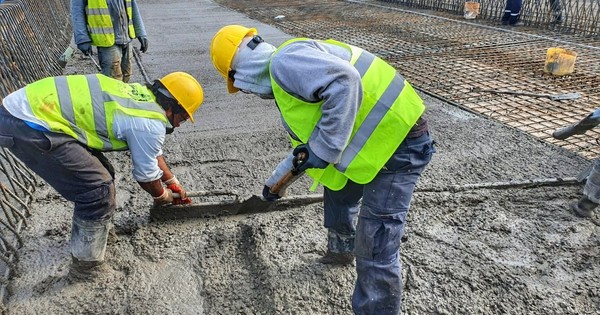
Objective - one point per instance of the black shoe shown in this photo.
(340, 259)
(517, 24)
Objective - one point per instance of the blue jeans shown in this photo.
(77, 173)
(380, 225)
(115, 61)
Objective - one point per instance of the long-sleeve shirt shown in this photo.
(118, 14)
(316, 71)
(144, 136)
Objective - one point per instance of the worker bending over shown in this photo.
(59, 127)
(359, 125)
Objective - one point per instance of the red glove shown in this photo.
(174, 185)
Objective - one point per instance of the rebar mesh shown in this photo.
(576, 16)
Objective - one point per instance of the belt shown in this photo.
(419, 129)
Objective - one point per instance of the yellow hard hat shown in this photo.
(223, 48)
(185, 89)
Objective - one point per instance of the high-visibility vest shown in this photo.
(389, 109)
(83, 107)
(100, 24)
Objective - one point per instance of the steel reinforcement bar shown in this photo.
(575, 16)
(33, 34)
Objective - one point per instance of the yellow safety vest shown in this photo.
(100, 24)
(389, 109)
(83, 107)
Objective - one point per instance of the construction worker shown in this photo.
(110, 25)
(59, 127)
(512, 13)
(357, 128)
(586, 205)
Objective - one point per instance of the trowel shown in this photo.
(233, 204)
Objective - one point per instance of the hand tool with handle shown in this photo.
(233, 206)
(554, 97)
(589, 122)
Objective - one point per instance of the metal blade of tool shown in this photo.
(256, 204)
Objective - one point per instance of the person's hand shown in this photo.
(86, 48)
(309, 160)
(268, 195)
(174, 185)
(144, 42)
(164, 199)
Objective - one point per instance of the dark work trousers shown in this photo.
(556, 7)
(380, 227)
(64, 163)
(512, 12)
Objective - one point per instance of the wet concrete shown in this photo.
(510, 251)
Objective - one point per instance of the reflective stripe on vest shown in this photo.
(83, 107)
(100, 23)
(389, 109)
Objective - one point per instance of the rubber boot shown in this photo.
(88, 247)
(584, 207)
(339, 249)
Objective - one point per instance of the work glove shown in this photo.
(86, 48)
(144, 41)
(174, 185)
(310, 159)
(164, 199)
(268, 195)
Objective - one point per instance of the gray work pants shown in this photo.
(77, 173)
(115, 61)
(380, 227)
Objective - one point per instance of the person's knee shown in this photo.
(97, 204)
(378, 240)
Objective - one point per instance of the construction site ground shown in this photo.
(485, 251)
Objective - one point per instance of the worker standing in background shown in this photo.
(556, 8)
(110, 25)
(59, 127)
(512, 13)
(360, 128)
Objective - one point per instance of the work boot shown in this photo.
(88, 246)
(584, 207)
(86, 270)
(339, 249)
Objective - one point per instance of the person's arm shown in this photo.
(145, 138)
(78, 21)
(138, 23)
(333, 80)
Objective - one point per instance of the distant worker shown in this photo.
(359, 125)
(512, 13)
(591, 191)
(556, 8)
(59, 127)
(110, 25)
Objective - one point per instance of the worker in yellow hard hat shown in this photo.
(59, 127)
(357, 128)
